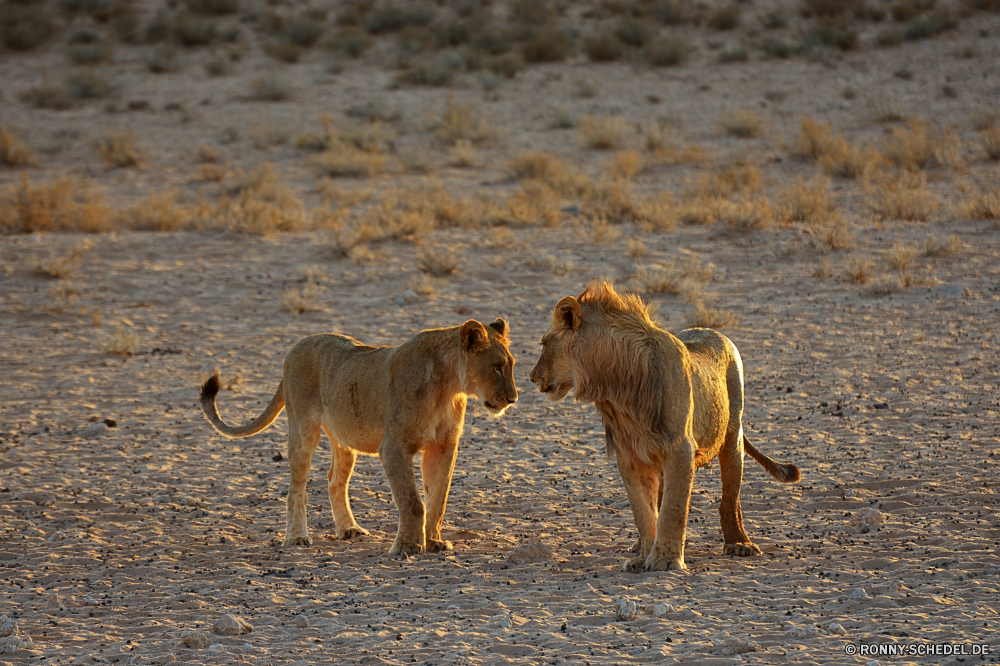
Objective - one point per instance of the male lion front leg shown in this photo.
(642, 486)
(730, 513)
(437, 466)
(339, 478)
(671, 526)
(398, 464)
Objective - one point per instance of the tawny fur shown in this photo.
(393, 402)
(669, 404)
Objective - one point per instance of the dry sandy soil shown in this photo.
(114, 541)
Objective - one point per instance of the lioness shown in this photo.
(390, 401)
(669, 405)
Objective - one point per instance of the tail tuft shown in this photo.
(786, 473)
(210, 388)
(782, 473)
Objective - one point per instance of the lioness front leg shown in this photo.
(398, 464)
(642, 486)
(437, 465)
(339, 478)
(671, 526)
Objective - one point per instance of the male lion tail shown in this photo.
(211, 387)
(782, 473)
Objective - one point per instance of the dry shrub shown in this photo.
(356, 151)
(636, 248)
(270, 88)
(208, 155)
(121, 342)
(703, 211)
(814, 140)
(705, 317)
(822, 270)
(13, 151)
(536, 203)
(742, 123)
(63, 204)
(122, 149)
(602, 232)
(667, 51)
(210, 173)
(901, 256)
(753, 215)
(981, 206)
(737, 178)
(615, 201)
(59, 266)
(348, 161)
(160, 212)
(836, 234)
(602, 132)
(463, 154)
(626, 164)
(400, 214)
(989, 142)
(832, 152)
(859, 269)
(540, 166)
(460, 122)
(603, 47)
(548, 45)
(438, 261)
(298, 300)
(804, 201)
(62, 295)
(902, 196)
(935, 248)
(685, 279)
(725, 18)
(920, 145)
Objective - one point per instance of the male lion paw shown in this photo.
(351, 532)
(436, 546)
(741, 549)
(405, 549)
(633, 564)
(297, 541)
(655, 563)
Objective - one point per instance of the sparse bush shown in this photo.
(847, 160)
(462, 122)
(900, 197)
(24, 28)
(13, 151)
(753, 215)
(920, 145)
(634, 32)
(88, 85)
(438, 72)
(935, 248)
(805, 202)
(90, 54)
(60, 266)
(736, 178)
(930, 26)
(742, 123)
(884, 110)
(901, 256)
(777, 48)
(62, 295)
(822, 270)
(667, 51)
(705, 317)
(493, 40)
(192, 31)
(299, 300)
(859, 269)
(832, 36)
(602, 132)
(121, 342)
(982, 206)
(64, 204)
(270, 88)
(304, 31)
(725, 18)
(989, 141)
(603, 47)
(348, 160)
(439, 262)
(627, 164)
(121, 149)
(352, 43)
(284, 51)
(549, 45)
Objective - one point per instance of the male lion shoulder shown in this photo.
(390, 401)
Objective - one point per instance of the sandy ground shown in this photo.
(115, 541)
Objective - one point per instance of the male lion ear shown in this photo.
(473, 335)
(567, 314)
(500, 326)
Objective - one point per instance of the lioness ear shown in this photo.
(567, 314)
(500, 326)
(473, 335)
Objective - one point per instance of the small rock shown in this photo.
(529, 553)
(807, 631)
(505, 622)
(836, 628)
(868, 518)
(195, 639)
(165, 659)
(871, 662)
(896, 585)
(231, 625)
(627, 610)
(860, 594)
(90, 601)
(95, 430)
(216, 646)
(301, 621)
(735, 645)
(407, 297)
(659, 610)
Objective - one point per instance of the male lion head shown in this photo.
(489, 365)
(552, 373)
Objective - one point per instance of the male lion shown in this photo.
(388, 401)
(669, 405)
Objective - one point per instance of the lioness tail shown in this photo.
(211, 387)
(783, 473)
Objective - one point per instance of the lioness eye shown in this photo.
(498, 367)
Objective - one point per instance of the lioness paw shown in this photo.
(436, 546)
(633, 564)
(741, 549)
(297, 541)
(351, 532)
(654, 563)
(405, 549)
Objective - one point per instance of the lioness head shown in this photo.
(552, 373)
(489, 365)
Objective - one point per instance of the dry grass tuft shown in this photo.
(920, 145)
(703, 211)
(62, 295)
(542, 167)
(742, 123)
(298, 300)
(822, 270)
(934, 248)
(752, 215)
(616, 202)
(981, 206)
(705, 317)
(832, 152)
(121, 342)
(463, 154)
(989, 142)
(270, 88)
(636, 248)
(602, 132)
(463, 122)
(13, 151)
(859, 269)
(901, 256)
(64, 204)
(679, 279)
(348, 161)
(737, 178)
(59, 266)
(438, 261)
(122, 149)
(602, 232)
(900, 197)
(627, 164)
(804, 202)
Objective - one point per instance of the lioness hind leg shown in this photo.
(338, 478)
(730, 513)
(671, 525)
(437, 465)
(302, 441)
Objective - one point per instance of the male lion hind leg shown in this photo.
(437, 465)
(339, 477)
(671, 525)
(302, 441)
(730, 514)
(642, 484)
(398, 465)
